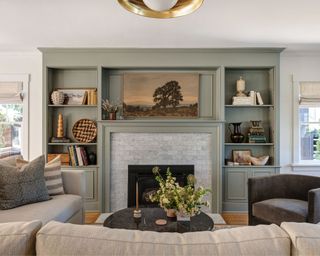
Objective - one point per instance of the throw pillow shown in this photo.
(52, 175)
(24, 186)
(10, 160)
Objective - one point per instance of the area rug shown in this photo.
(217, 218)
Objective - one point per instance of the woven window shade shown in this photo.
(310, 93)
(11, 92)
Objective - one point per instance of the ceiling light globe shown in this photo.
(160, 5)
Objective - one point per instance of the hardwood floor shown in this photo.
(231, 218)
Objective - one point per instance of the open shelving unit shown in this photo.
(263, 80)
(72, 78)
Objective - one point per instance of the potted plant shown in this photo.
(185, 201)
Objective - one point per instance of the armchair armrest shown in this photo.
(314, 205)
(74, 182)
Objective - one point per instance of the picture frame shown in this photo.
(75, 96)
(241, 156)
(161, 95)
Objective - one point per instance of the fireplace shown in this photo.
(147, 183)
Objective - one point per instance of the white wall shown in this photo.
(28, 63)
(304, 66)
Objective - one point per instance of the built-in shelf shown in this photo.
(248, 144)
(79, 167)
(72, 144)
(251, 166)
(249, 106)
(72, 106)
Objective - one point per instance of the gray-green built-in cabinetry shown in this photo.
(218, 68)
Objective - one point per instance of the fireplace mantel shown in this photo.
(197, 126)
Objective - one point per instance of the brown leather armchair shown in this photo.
(284, 197)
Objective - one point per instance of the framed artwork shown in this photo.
(174, 95)
(241, 156)
(75, 96)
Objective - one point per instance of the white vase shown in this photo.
(183, 217)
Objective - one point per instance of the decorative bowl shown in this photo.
(262, 160)
(57, 97)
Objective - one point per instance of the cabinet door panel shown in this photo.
(90, 185)
(236, 184)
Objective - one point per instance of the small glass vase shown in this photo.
(183, 217)
(171, 213)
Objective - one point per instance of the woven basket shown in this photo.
(84, 130)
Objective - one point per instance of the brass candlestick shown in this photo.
(60, 133)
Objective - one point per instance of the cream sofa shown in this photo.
(63, 208)
(68, 239)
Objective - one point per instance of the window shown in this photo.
(309, 122)
(13, 116)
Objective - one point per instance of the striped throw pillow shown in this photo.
(52, 175)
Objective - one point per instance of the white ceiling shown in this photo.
(28, 24)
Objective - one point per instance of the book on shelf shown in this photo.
(259, 99)
(92, 97)
(78, 156)
(257, 139)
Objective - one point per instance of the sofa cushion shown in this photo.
(59, 208)
(305, 237)
(52, 175)
(18, 238)
(22, 186)
(278, 210)
(93, 240)
(10, 160)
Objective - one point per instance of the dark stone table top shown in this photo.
(123, 219)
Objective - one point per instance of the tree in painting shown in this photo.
(168, 95)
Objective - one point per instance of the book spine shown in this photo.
(84, 156)
(75, 155)
(259, 98)
(79, 157)
(70, 149)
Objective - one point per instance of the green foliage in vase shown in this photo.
(185, 200)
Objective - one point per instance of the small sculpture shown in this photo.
(57, 97)
(241, 87)
(60, 133)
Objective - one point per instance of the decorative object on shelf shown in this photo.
(137, 211)
(85, 130)
(75, 96)
(241, 156)
(60, 138)
(57, 98)
(186, 201)
(64, 157)
(92, 97)
(161, 95)
(259, 161)
(256, 133)
(236, 136)
(111, 108)
(259, 98)
(92, 157)
(241, 87)
(161, 9)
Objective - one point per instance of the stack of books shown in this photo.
(78, 156)
(257, 138)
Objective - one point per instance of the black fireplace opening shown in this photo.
(147, 184)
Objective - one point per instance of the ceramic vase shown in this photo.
(171, 213)
(183, 217)
(236, 136)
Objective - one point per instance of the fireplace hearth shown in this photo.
(147, 183)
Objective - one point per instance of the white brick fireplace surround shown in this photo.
(160, 145)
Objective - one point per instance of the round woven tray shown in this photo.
(84, 130)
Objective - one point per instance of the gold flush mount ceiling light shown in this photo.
(161, 9)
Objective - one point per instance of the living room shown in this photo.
(93, 115)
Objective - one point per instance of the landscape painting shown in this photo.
(161, 95)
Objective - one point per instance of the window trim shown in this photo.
(25, 80)
(298, 164)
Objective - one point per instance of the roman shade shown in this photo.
(11, 92)
(309, 93)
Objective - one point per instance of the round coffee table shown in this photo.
(123, 219)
